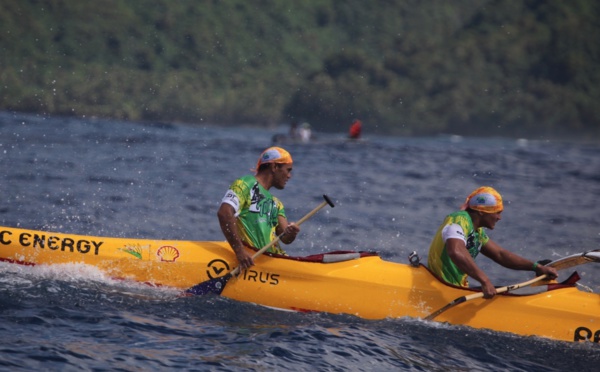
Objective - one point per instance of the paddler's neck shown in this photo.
(265, 178)
(475, 218)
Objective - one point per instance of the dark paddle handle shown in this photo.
(312, 213)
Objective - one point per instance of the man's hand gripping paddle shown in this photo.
(217, 285)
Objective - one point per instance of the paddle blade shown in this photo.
(214, 286)
(575, 259)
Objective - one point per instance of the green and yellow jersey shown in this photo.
(257, 212)
(457, 225)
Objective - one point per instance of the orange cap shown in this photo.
(484, 199)
(274, 155)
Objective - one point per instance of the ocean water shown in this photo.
(165, 181)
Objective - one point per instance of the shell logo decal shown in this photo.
(167, 253)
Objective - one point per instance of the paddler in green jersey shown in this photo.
(461, 237)
(249, 215)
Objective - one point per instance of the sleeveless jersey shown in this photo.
(257, 212)
(460, 226)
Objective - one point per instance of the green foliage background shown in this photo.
(509, 67)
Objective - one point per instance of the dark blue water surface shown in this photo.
(165, 181)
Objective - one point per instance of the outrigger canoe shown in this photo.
(356, 283)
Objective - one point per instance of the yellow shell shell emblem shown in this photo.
(167, 253)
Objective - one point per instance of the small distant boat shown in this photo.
(342, 282)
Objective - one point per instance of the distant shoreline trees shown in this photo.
(504, 68)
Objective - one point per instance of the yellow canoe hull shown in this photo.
(367, 287)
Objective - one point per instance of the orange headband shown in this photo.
(484, 199)
(274, 155)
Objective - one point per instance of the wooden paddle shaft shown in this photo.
(473, 296)
(507, 288)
